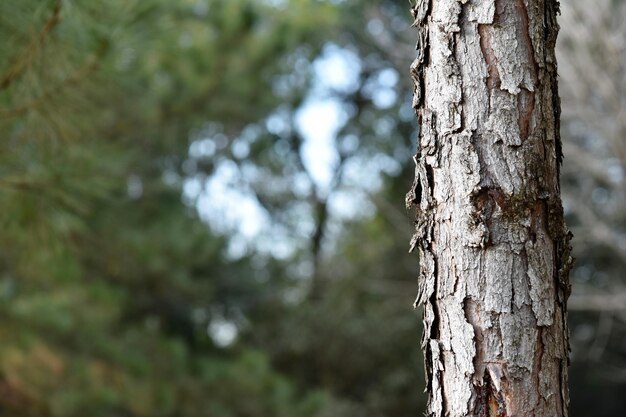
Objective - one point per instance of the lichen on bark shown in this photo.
(493, 246)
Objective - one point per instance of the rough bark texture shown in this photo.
(494, 249)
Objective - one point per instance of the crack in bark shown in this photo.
(526, 97)
(490, 400)
(493, 78)
(539, 348)
(472, 315)
(525, 109)
(538, 217)
(485, 34)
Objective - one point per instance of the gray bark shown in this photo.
(493, 246)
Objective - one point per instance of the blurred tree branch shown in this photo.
(21, 62)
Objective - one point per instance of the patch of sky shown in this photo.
(318, 121)
(336, 70)
(203, 148)
(297, 76)
(615, 170)
(406, 112)
(278, 123)
(279, 4)
(223, 332)
(382, 88)
(375, 27)
(226, 205)
(346, 202)
(200, 8)
(224, 198)
(374, 166)
(323, 114)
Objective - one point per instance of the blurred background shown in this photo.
(202, 208)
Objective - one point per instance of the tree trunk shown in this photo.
(494, 249)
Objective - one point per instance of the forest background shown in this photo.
(202, 208)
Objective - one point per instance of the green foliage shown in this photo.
(108, 289)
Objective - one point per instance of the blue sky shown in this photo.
(228, 206)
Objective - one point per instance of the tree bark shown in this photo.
(493, 245)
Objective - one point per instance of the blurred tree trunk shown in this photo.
(494, 249)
